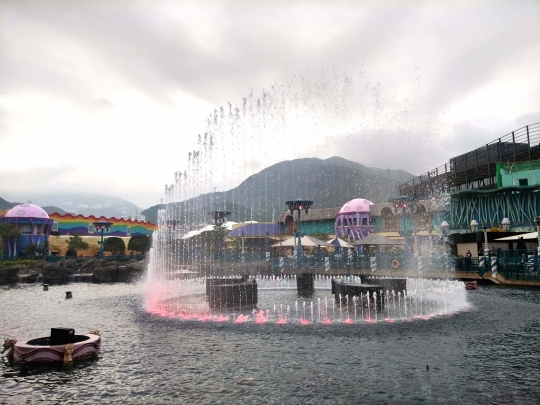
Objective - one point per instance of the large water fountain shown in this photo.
(240, 140)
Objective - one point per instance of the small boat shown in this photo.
(471, 285)
(41, 350)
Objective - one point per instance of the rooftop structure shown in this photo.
(26, 211)
(477, 170)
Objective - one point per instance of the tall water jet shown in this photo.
(237, 140)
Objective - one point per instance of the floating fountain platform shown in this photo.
(388, 284)
(305, 284)
(364, 294)
(231, 292)
(62, 346)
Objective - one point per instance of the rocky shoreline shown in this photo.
(94, 270)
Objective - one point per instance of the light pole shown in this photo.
(486, 247)
(171, 235)
(415, 233)
(404, 207)
(430, 231)
(444, 230)
(416, 253)
(104, 226)
(220, 217)
(537, 220)
(298, 205)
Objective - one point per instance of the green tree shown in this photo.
(76, 243)
(114, 245)
(40, 250)
(44, 248)
(7, 231)
(139, 243)
(30, 250)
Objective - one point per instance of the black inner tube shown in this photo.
(46, 341)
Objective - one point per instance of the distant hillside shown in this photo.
(329, 183)
(196, 210)
(6, 205)
(49, 209)
(80, 203)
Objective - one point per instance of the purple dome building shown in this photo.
(32, 222)
(353, 219)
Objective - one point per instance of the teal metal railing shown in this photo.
(511, 264)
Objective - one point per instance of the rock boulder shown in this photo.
(9, 274)
(54, 273)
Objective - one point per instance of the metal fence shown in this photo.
(512, 264)
(80, 259)
(477, 169)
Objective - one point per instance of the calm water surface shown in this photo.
(487, 355)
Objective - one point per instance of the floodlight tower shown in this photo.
(104, 226)
(298, 205)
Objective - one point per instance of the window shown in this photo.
(523, 182)
(128, 232)
(26, 229)
(55, 226)
(91, 228)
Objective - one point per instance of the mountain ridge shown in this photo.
(328, 182)
(77, 203)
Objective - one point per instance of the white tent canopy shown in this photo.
(374, 239)
(340, 242)
(306, 241)
(525, 236)
(228, 225)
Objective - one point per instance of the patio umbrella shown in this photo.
(374, 239)
(338, 242)
(306, 241)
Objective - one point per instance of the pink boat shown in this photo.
(41, 351)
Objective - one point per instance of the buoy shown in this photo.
(45, 287)
(68, 294)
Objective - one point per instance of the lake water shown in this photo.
(485, 355)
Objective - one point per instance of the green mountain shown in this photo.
(261, 197)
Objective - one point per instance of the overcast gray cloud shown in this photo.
(138, 79)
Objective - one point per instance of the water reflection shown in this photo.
(483, 355)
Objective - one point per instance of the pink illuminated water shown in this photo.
(423, 300)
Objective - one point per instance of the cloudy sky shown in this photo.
(110, 96)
